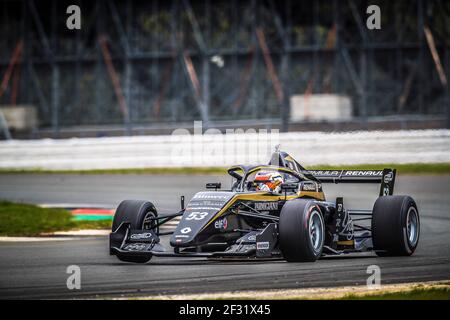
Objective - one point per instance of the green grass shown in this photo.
(29, 220)
(413, 168)
(424, 291)
(419, 293)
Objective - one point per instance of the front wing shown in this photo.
(259, 244)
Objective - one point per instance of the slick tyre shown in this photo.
(395, 226)
(137, 213)
(301, 231)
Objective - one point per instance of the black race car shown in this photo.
(295, 222)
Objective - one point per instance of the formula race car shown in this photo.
(272, 211)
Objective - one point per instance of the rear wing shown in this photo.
(386, 177)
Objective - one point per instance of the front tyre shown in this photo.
(138, 214)
(302, 231)
(395, 226)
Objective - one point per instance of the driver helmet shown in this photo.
(268, 181)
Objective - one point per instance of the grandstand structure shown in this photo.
(137, 64)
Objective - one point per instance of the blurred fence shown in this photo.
(146, 62)
(421, 146)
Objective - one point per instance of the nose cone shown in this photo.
(201, 210)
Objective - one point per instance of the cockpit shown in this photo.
(263, 178)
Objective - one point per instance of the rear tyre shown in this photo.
(302, 231)
(138, 214)
(395, 226)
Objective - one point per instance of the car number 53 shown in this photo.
(196, 215)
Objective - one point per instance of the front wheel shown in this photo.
(395, 226)
(302, 231)
(139, 214)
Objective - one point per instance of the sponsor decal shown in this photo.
(331, 173)
(262, 245)
(266, 206)
(221, 224)
(138, 236)
(348, 173)
(206, 203)
(135, 247)
(185, 230)
(181, 236)
(388, 177)
(203, 208)
(252, 238)
(308, 187)
(210, 196)
(364, 173)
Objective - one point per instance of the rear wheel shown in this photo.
(138, 213)
(395, 226)
(302, 231)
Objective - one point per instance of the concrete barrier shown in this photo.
(20, 117)
(309, 148)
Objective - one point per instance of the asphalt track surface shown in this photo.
(38, 269)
